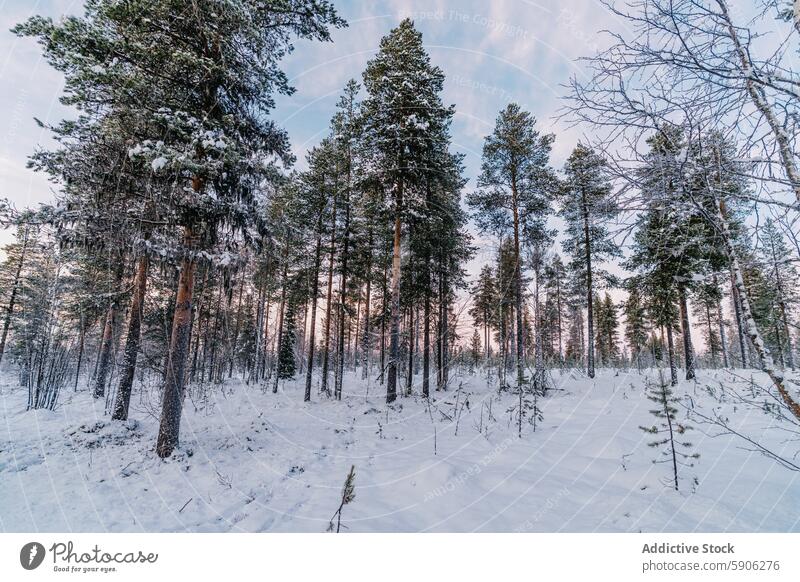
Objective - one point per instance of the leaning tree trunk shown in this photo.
(172, 401)
(760, 100)
(106, 351)
(13, 297)
(688, 348)
(81, 346)
(132, 340)
(751, 328)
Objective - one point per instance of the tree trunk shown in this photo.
(673, 367)
(722, 338)
(81, 344)
(753, 333)
(265, 352)
(172, 403)
(560, 326)
(314, 293)
(486, 335)
(196, 324)
(354, 334)
(342, 298)
(394, 331)
(301, 338)
(384, 306)
(13, 297)
(329, 301)
(444, 342)
(589, 291)
(131, 354)
(236, 328)
(688, 348)
(439, 335)
(788, 334)
(255, 357)
(410, 375)
(782, 307)
(520, 346)
(710, 335)
(106, 350)
(539, 354)
(737, 311)
(212, 361)
(426, 345)
(366, 339)
(279, 340)
(760, 101)
(503, 344)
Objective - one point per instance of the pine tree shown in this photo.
(475, 348)
(586, 206)
(407, 127)
(670, 245)
(555, 284)
(636, 321)
(315, 193)
(484, 304)
(287, 366)
(11, 279)
(205, 117)
(606, 330)
(780, 294)
(40, 341)
(347, 131)
(707, 299)
(513, 196)
(671, 429)
(506, 276)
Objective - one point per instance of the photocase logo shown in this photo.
(31, 555)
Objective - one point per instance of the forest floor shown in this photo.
(255, 461)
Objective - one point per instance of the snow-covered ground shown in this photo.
(255, 461)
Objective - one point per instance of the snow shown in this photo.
(158, 163)
(251, 460)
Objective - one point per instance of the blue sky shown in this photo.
(491, 52)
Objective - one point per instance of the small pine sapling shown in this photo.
(528, 406)
(668, 430)
(536, 412)
(348, 494)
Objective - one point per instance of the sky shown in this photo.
(492, 53)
